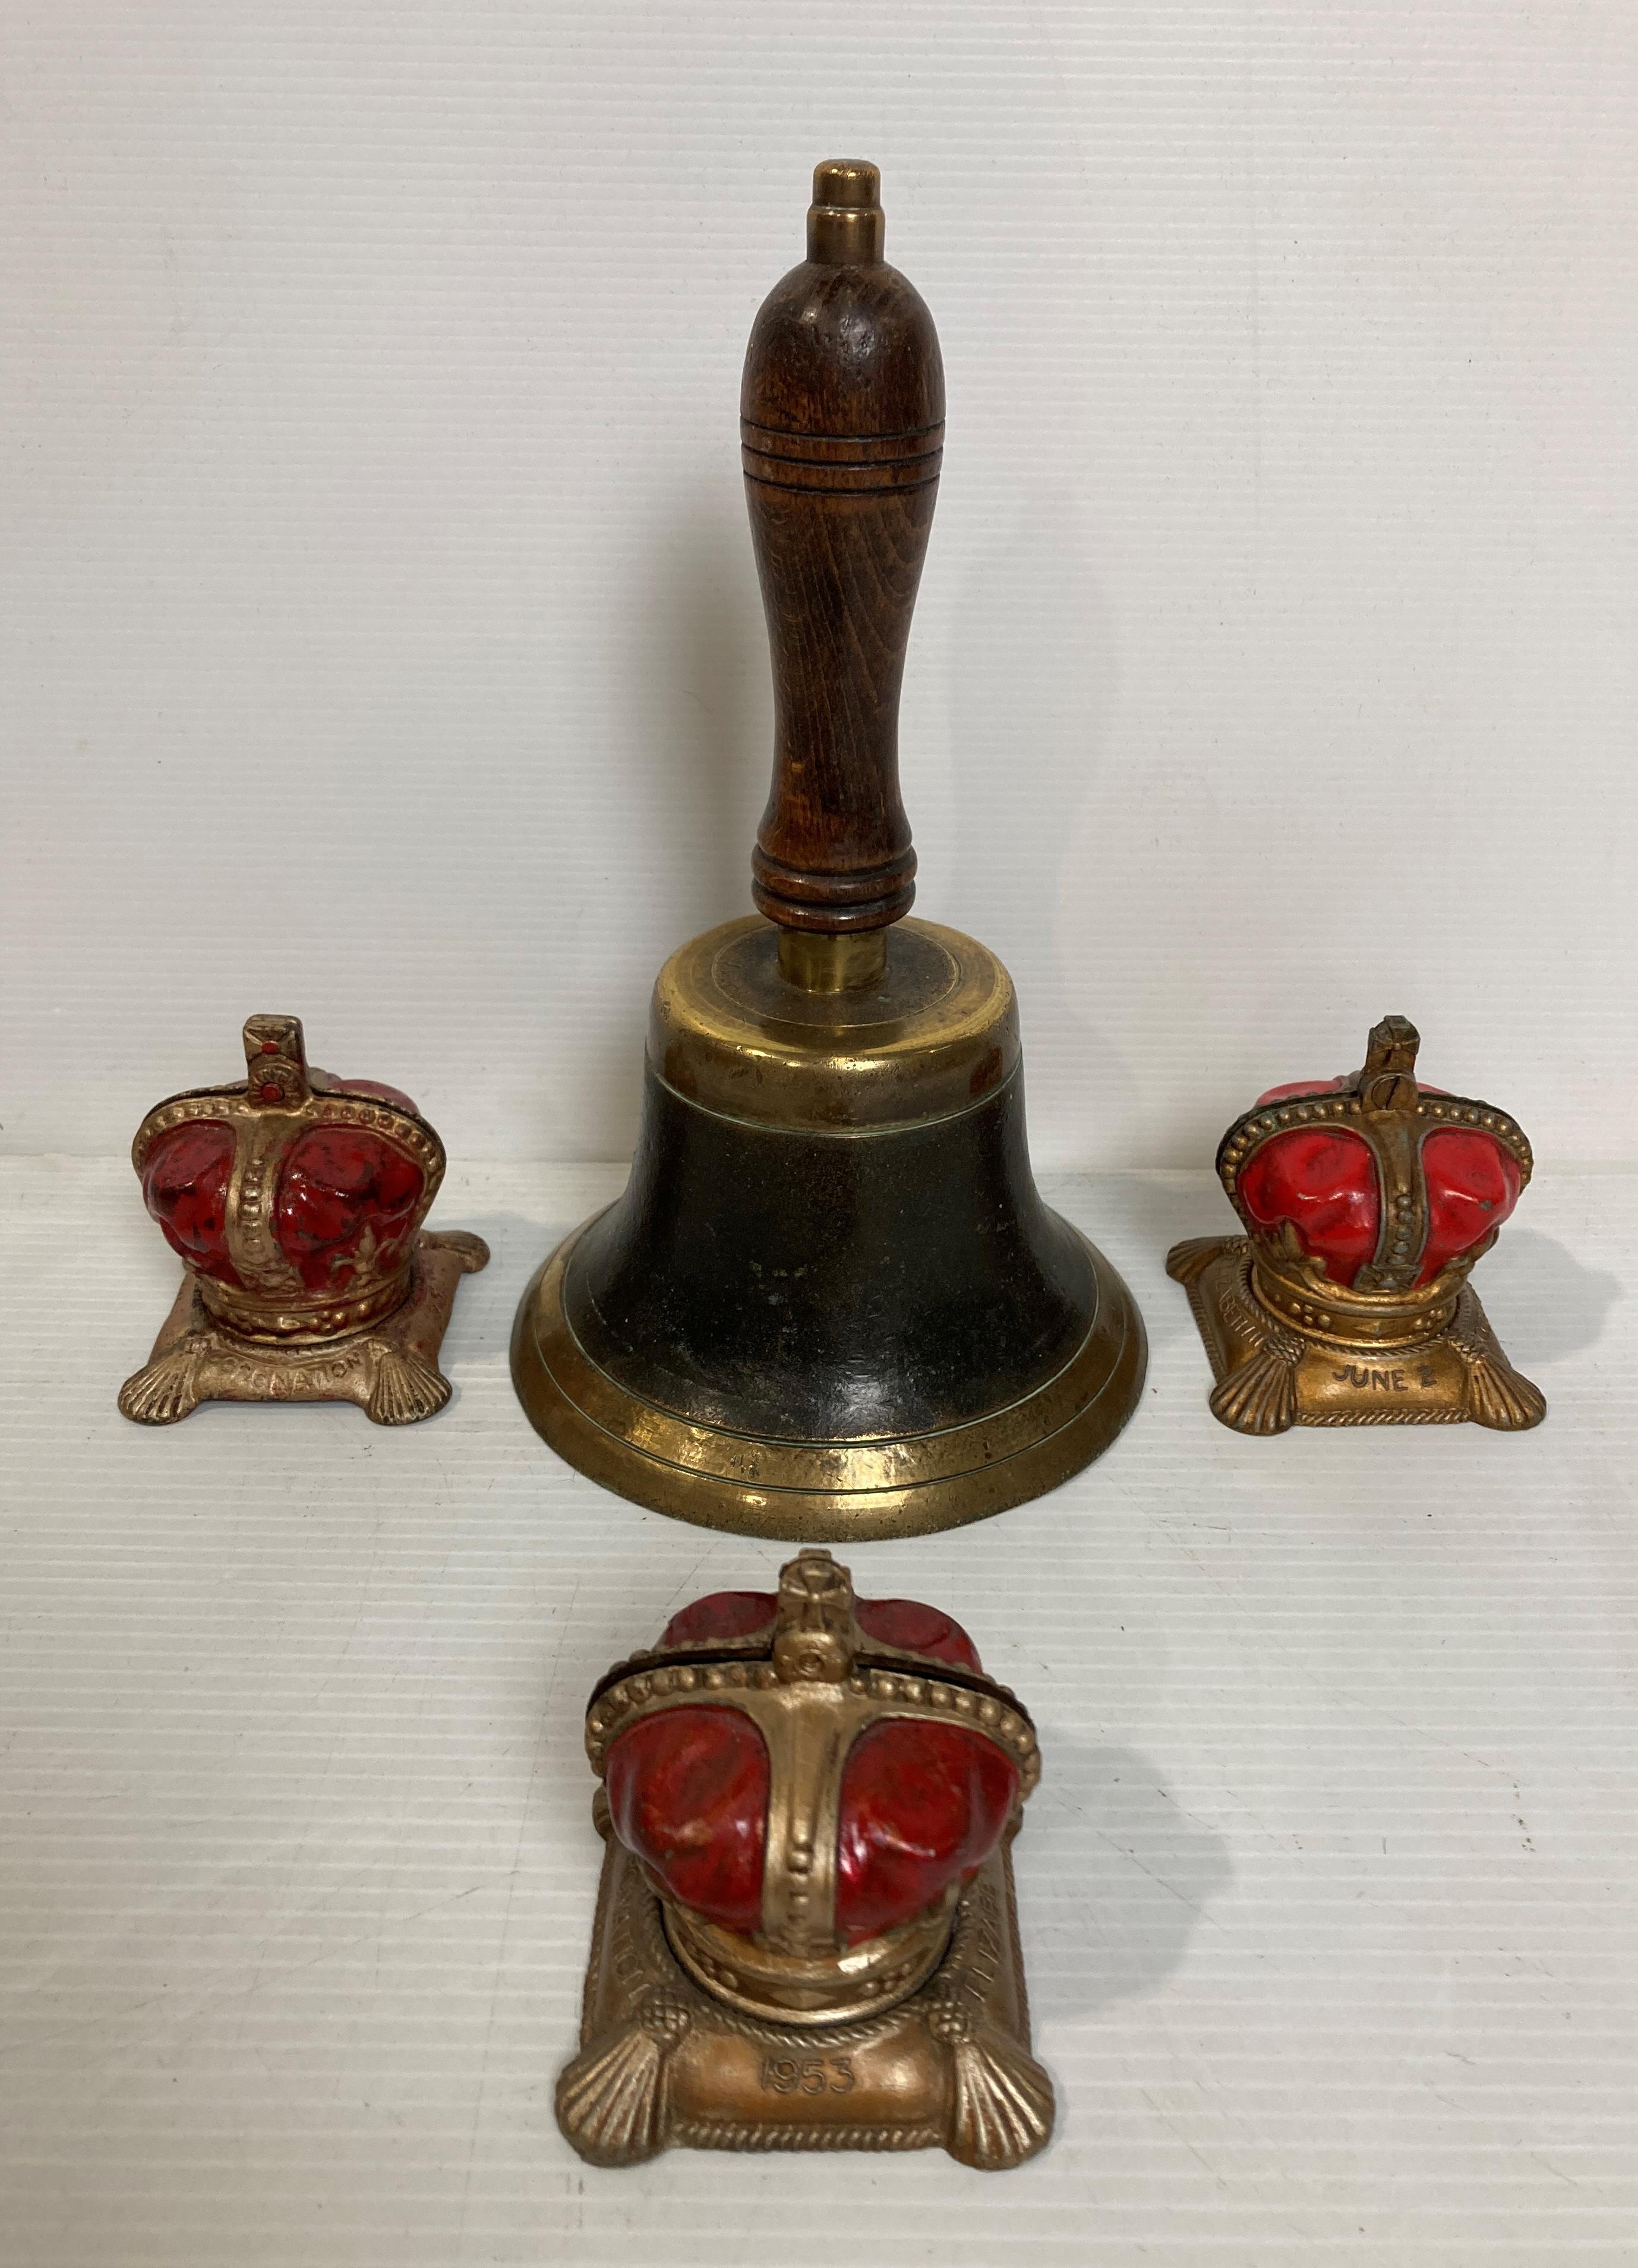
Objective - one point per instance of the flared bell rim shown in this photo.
(750, 1483)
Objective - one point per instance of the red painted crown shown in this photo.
(292, 1196)
(1370, 1193)
(808, 1781)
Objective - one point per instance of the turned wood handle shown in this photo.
(841, 422)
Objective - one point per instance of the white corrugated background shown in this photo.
(1328, 1893)
(381, 644)
(383, 641)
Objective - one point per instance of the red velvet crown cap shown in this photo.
(922, 1805)
(342, 1193)
(905, 1624)
(1326, 1182)
(688, 1792)
(185, 1187)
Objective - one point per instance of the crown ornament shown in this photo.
(294, 1201)
(806, 1935)
(1366, 1201)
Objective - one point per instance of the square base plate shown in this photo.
(390, 1370)
(1270, 1377)
(663, 2064)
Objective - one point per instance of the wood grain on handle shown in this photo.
(842, 429)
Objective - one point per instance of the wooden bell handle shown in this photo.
(842, 429)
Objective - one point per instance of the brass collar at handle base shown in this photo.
(732, 1034)
(856, 961)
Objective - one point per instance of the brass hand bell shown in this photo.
(831, 1302)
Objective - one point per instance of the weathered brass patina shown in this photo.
(831, 1302)
(793, 2037)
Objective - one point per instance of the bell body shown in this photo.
(831, 1302)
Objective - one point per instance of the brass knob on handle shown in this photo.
(846, 224)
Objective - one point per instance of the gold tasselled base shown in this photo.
(1272, 1375)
